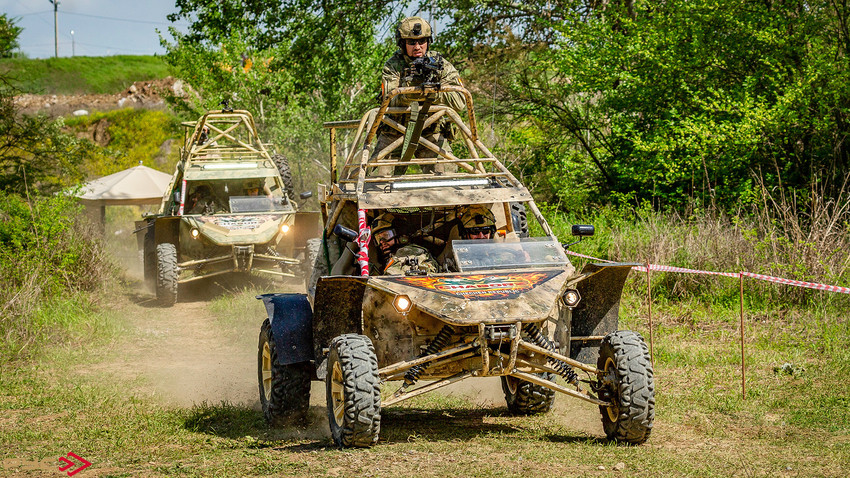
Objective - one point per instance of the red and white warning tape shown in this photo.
(778, 280)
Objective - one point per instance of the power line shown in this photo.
(118, 19)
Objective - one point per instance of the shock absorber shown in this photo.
(540, 340)
(439, 342)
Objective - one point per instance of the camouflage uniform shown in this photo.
(392, 77)
(411, 257)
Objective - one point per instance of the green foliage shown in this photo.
(294, 66)
(34, 153)
(82, 75)
(682, 104)
(136, 136)
(9, 33)
(45, 255)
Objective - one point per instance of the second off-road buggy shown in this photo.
(513, 307)
(229, 208)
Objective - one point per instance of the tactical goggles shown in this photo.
(416, 41)
(474, 231)
(384, 237)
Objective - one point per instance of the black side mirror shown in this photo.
(343, 232)
(306, 195)
(583, 230)
(580, 230)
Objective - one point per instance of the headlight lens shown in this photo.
(402, 304)
(195, 233)
(284, 228)
(571, 297)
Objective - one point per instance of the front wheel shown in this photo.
(627, 382)
(353, 391)
(284, 389)
(526, 398)
(166, 274)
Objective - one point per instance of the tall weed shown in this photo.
(47, 254)
(777, 236)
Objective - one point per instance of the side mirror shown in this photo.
(306, 195)
(580, 231)
(343, 232)
(583, 230)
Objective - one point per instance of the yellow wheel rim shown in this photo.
(267, 372)
(613, 413)
(337, 393)
(513, 384)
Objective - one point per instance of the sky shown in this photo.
(101, 27)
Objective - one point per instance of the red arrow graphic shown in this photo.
(84, 463)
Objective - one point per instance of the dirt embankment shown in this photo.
(141, 94)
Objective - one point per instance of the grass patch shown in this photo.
(82, 75)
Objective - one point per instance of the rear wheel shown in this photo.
(316, 263)
(526, 398)
(284, 389)
(166, 274)
(627, 382)
(353, 391)
(285, 174)
(519, 219)
(149, 258)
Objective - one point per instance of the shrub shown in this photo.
(46, 254)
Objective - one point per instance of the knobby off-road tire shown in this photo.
(628, 382)
(285, 174)
(353, 391)
(166, 274)
(318, 267)
(284, 389)
(525, 398)
(149, 258)
(519, 218)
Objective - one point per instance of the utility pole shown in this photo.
(55, 27)
(73, 48)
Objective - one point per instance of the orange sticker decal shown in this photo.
(479, 286)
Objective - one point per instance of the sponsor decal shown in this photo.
(238, 223)
(479, 286)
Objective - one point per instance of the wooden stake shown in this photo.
(649, 304)
(743, 367)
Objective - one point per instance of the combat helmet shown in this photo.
(412, 28)
(477, 216)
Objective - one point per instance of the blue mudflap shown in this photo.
(292, 326)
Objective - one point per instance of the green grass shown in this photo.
(82, 75)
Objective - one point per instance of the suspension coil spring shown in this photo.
(439, 342)
(540, 340)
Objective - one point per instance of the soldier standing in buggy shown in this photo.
(414, 37)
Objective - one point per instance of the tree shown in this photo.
(673, 102)
(9, 33)
(35, 155)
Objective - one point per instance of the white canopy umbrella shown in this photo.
(134, 186)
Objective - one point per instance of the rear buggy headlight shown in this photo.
(284, 228)
(195, 233)
(402, 304)
(571, 297)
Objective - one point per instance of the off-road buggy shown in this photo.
(229, 207)
(513, 307)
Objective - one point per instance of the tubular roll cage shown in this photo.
(358, 173)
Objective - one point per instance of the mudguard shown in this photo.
(598, 312)
(292, 326)
(338, 304)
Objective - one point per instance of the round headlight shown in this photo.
(402, 304)
(571, 297)
(284, 228)
(195, 233)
